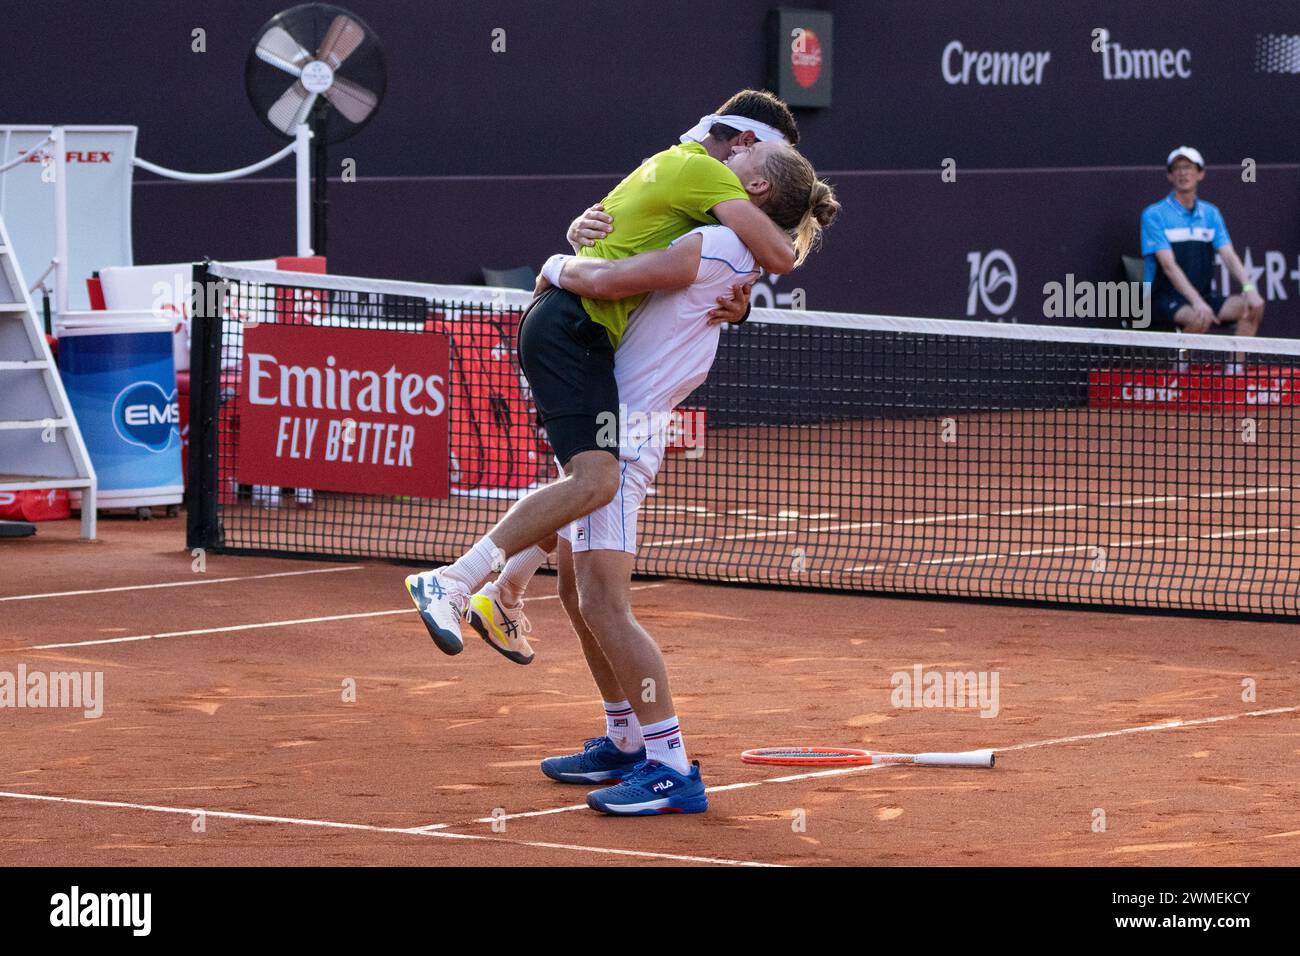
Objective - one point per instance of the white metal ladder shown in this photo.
(40, 444)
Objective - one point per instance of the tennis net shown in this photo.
(875, 454)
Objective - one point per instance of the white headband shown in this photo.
(742, 123)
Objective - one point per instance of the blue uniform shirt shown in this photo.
(1193, 234)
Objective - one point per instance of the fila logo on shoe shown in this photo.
(662, 785)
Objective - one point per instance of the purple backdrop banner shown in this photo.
(1056, 118)
(981, 247)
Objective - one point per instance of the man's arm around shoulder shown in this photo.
(673, 268)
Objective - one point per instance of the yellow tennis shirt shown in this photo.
(669, 194)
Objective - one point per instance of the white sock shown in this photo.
(622, 727)
(663, 742)
(519, 570)
(475, 565)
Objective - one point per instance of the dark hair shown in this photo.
(757, 105)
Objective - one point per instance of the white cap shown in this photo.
(1189, 153)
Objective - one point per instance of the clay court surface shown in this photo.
(224, 694)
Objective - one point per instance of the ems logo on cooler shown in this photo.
(145, 415)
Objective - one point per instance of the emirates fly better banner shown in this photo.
(344, 410)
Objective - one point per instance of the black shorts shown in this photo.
(569, 362)
(1164, 307)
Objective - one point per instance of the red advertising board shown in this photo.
(1195, 389)
(686, 432)
(344, 410)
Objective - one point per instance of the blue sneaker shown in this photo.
(600, 762)
(653, 787)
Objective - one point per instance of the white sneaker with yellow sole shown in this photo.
(504, 628)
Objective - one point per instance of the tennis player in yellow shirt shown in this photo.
(567, 342)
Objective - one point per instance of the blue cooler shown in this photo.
(120, 376)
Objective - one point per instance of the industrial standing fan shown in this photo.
(338, 80)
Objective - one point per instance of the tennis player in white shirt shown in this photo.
(666, 352)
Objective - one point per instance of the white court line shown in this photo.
(432, 830)
(1242, 492)
(179, 584)
(962, 559)
(219, 814)
(756, 535)
(1249, 532)
(1015, 512)
(213, 630)
(1126, 502)
(782, 516)
(1063, 549)
(851, 526)
(935, 519)
(254, 627)
(673, 542)
(534, 813)
(1035, 552)
(938, 519)
(1148, 728)
(838, 771)
(744, 785)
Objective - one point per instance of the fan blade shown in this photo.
(341, 41)
(282, 51)
(353, 101)
(285, 111)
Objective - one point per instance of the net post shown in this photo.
(206, 310)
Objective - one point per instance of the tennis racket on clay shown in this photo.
(852, 757)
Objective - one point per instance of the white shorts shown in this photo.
(613, 527)
(666, 352)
